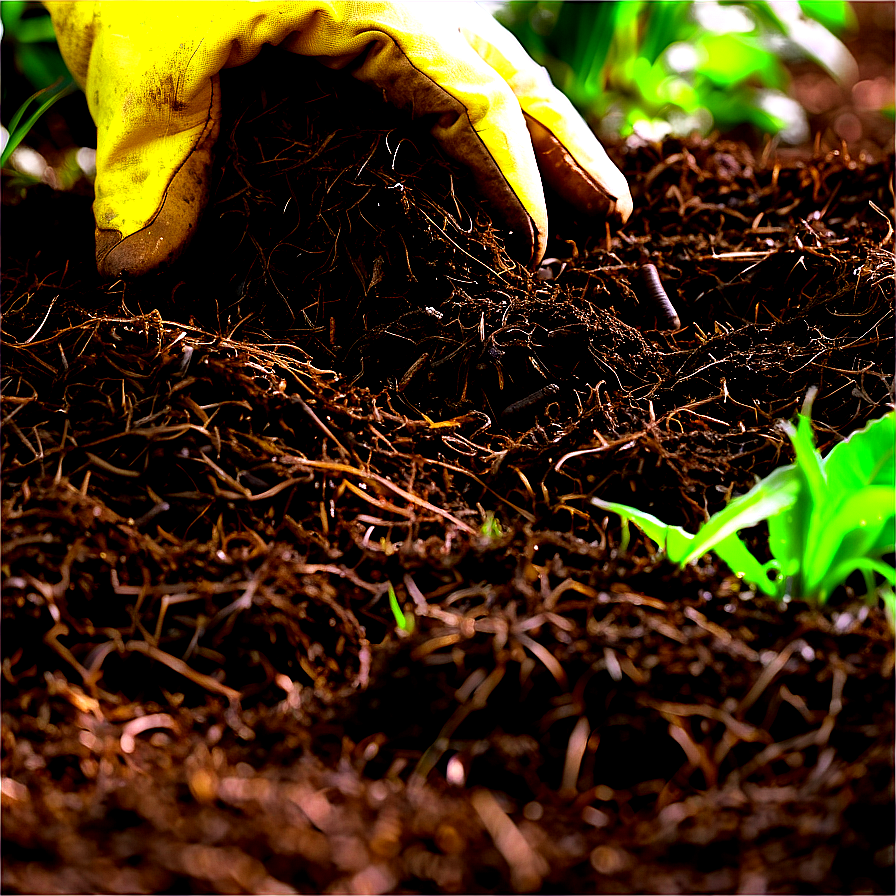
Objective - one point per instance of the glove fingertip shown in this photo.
(155, 246)
(148, 251)
(599, 189)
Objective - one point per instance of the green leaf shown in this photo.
(852, 531)
(678, 544)
(732, 58)
(41, 64)
(19, 129)
(786, 537)
(664, 21)
(674, 540)
(862, 471)
(595, 26)
(735, 554)
(838, 575)
(491, 527)
(405, 621)
(867, 457)
(767, 12)
(808, 461)
(835, 15)
(11, 15)
(776, 493)
(35, 30)
(848, 506)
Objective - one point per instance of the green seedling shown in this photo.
(405, 621)
(491, 528)
(20, 125)
(827, 518)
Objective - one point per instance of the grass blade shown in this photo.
(19, 130)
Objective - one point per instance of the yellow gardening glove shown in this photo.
(150, 73)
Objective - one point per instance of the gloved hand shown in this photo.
(150, 73)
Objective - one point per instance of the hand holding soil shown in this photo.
(151, 75)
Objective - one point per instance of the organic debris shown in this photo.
(348, 404)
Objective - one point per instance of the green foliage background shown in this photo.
(669, 66)
(660, 66)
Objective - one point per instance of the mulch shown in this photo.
(302, 587)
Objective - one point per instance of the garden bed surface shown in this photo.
(213, 478)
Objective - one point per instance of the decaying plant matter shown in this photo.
(222, 486)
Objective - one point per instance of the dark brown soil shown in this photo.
(212, 480)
